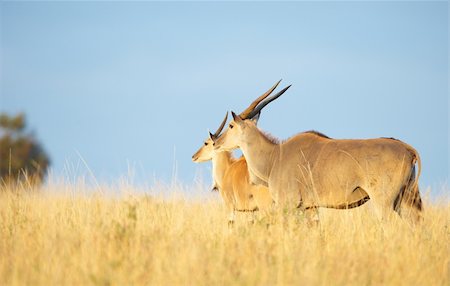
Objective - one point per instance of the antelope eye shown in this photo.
(206, 143)
(231, 126)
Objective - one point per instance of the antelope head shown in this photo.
(206, 152)
(243, 125)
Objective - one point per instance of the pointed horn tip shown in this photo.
(287, 87)
(282, 91)
(277, 83)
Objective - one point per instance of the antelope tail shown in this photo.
(410, 192)
(413, 187)
(419, 168)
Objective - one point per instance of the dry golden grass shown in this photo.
(65, 236)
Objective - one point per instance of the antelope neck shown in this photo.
(220, 163)
(260, 154)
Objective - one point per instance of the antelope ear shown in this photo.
(211, 136)
(236, 117)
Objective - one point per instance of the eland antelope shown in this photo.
(230, 175)
(311, 170)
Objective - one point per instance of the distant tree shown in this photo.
(22, 158)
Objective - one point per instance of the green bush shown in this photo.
(22, 158)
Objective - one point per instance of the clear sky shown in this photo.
(137, 85)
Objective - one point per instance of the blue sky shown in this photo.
(136, 85)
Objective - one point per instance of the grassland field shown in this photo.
(68, 235)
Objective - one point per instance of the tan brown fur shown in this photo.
(231, 178)
(313, 170)
(247, 196)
